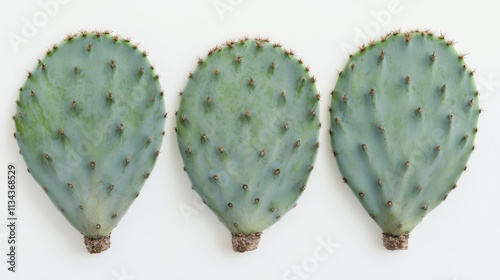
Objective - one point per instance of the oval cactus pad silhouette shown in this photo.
(404, 117)
(247, 130)
(89, 125)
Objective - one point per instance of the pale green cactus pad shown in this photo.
(89, 125)
(247, 129)
(404, 117)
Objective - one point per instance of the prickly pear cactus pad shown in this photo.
(247, 129)
(404, 117)
(89, 125)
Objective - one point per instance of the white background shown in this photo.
(166, 234)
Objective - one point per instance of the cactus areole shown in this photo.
(89, 124)
(404, 116)
(247, 129)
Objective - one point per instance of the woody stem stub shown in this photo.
(392, 242)
(243, 243)
(97, 245)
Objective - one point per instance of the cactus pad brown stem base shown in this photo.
(243, 243)
(392, 242)
(96, 246)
